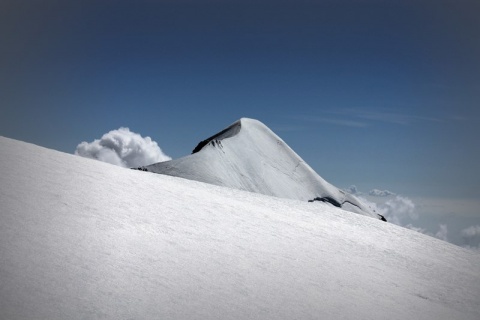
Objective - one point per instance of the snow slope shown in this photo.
(249, 156)
(82, 239)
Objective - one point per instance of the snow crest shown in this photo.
(83, 239)
(249, 156)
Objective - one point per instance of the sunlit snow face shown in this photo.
(78, 241)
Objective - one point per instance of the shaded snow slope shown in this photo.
(82, 239)
(249, 156)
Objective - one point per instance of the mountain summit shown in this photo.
(249, 156)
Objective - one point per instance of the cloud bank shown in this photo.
(471, 237)
(353, 190)
(471, 232)
(403, 211)
(401, 206)
(124, 148)
(442, 232)
(374, 192)
(380, 193)
(395, 210)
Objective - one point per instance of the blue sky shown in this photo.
(380, 94)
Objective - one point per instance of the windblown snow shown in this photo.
(249, 156)
(82, 239)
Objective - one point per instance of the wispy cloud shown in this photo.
(380, 193)
(471, 237)
(442, 232)
(396, 118)
(464, 119)
(459, 118)
(385, 116)
(353, 190)
(425, 215)
(347, 123)
(471, 232)
(334, 121)
(362, 118)
(288, 128)
(396, 210)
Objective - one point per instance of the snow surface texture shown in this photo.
(249, 156)
(82, 239)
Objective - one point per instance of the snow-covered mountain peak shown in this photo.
(243, 126)
(247, 155)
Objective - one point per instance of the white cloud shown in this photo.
(400, 207)
(442, 232)
(471, 237)
(395, 210)
(334, 121)
(387, 116)
(471, 232)
(123, 148)
(353, 190)
(380, 193)
(403, 211)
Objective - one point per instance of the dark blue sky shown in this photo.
(381, 94)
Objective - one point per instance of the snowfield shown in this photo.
(82, 239)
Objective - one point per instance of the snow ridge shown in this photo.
(225, 133)
(83, 239)
(249, 156)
